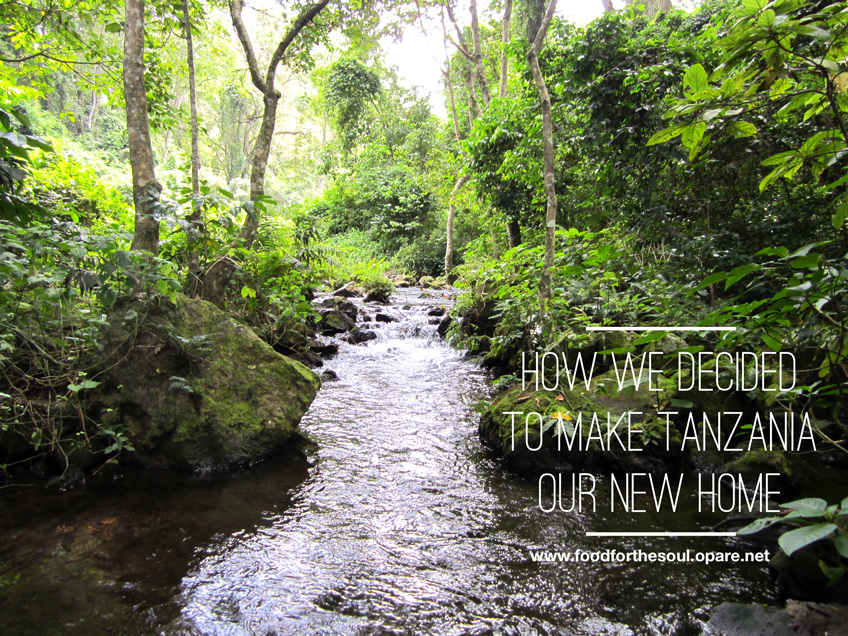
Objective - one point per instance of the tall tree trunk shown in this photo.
(548, 150)
(477, 57)
(270, 98)
(146, 190)
(535, 16)
(607, 6)
(451, 213)
(504, 43)
(513, 233)
(91, 110)
(195, 218)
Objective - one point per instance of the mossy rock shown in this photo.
(194, 389)
(578, 405)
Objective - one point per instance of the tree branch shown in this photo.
(306, 16)
(244, 38)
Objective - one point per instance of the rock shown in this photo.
(324, 350)
(579, 405)
(813, 619)
(358, 336)
(329, 375)
(426, 282)
(292, 335)
(400, 280)
(341, 304)
(740, 619)
(309, 358)
(72, 478)
(444, 325)
(433, 321)
(347, 291)
(437, 311)
(385, 318)
(194, 389)
(378, 296)
(334, 321)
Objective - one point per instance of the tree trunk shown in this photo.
(548, 149)
(535, 16)
(451, 213)
(504, 43)
(270, 97)
(513, 233)
(608, 8)
(146, 190)
(195, 218)
(477, 57)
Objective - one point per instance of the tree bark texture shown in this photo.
(195, 218)
(548, 150)
(451, 214)
(477, 56)
(270, 98)
(146, 190)
(507, 16)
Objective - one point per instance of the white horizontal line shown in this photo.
(660, 534)
(660, 328)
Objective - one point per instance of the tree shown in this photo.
(195, 217)
(146, 190)
(548, 150)
(270, 97)
(787, 57)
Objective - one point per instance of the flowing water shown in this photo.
(399, 523)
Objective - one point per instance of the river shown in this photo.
(399, 523)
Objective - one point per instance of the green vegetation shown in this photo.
(555, 193)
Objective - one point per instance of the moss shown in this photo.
(761, 461)
(236, 399)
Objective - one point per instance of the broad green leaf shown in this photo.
(667, 134)
(806, 262)
(792, 541)
(810, 507)
(841, 213)
(696, 79)
(841, 544)
(742, 129)
(757, 525)
(773, 343)
(739, 273)
(650, 337)
(712, 279)
(692, 134)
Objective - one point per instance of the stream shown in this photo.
(400, 523)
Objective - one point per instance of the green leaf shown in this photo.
(806, 262)
(739, 273)
(86, 384)
(667, 134)
(792, 541)
(696, 79)
(840, 214)
(757, 525)
(810, 507)
(692, 135)
(841, 543)
(681, 404)
(712, 279)
(773, 343)
(650, 337)
(742, 129)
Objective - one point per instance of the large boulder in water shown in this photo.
(194, 389)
